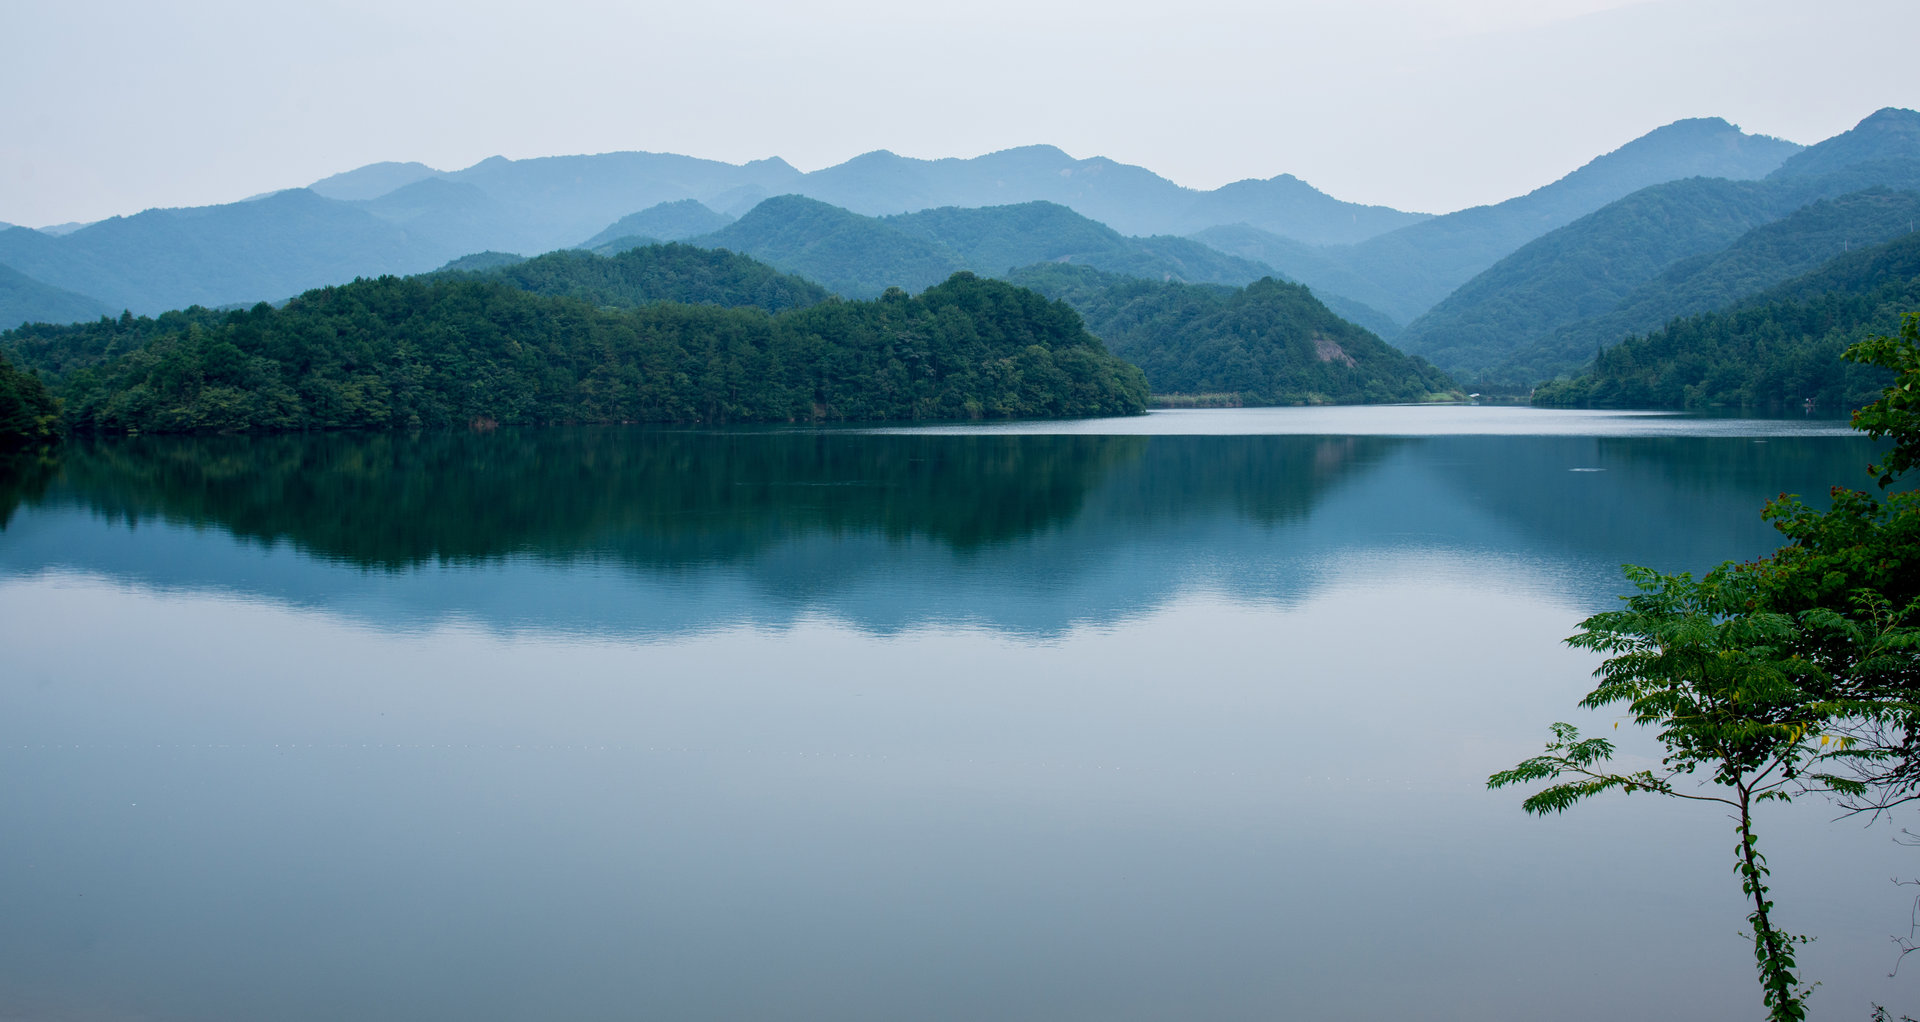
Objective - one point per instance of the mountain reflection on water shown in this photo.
(612, 723)
(648, 531)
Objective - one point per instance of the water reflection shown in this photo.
(395, 501)
(944, 727)
(653, 532)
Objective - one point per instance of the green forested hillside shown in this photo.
(1267, 343)
(60, 349)
(448, 350)
(1417, 266)
(659, 273)
(621, 244)
(1406, 272)
(994, 239)
(1889, 133)
(860, 256)
(1775, 352)
(1579, 271)
(1763, 257)
(481, 261)
(1351, 295)
(856, 256)
(1497, 329)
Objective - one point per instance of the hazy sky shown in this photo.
(114, 107)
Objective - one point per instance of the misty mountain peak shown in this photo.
(1890, 133)
(1027, 158)
(1694, 147)
(1708, 134)
(1696, 126)
(1891, 118)
(875, 158)
(372, 180)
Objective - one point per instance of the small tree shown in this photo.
(1772, 673)
(1730, 697)
(1852, 571)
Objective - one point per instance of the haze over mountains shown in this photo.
(1404, 272)
(1513, 323)
(407, 217)
(1691, 216)
(557, 201)
(1781, 348)
(861, 256)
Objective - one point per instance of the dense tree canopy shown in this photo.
(1758, 260)
(1777, 352)
(856, 256)
(27, 412)
(1581, 270)
(1269, 343)
(659, 273)
(454, 350)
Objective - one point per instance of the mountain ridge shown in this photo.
(1499, 328)
(1779, 349)
(861, 256)
(1268, 343)
(1417, 266)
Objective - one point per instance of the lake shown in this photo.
(1186, 716)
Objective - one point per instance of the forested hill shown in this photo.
(409, 218)
(995, 239)
(455, 351)
(1775, 352)
(1760, 259)
(860, 256)
(1581, 270)
(1499, 328)
(1409, 270)
(1518, 323)
(1269, 343)
(658, 273)
(1354, 296)
(642, 276)
(857, 256)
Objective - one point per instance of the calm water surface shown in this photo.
(1179, 717)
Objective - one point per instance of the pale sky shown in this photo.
(112, 107)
